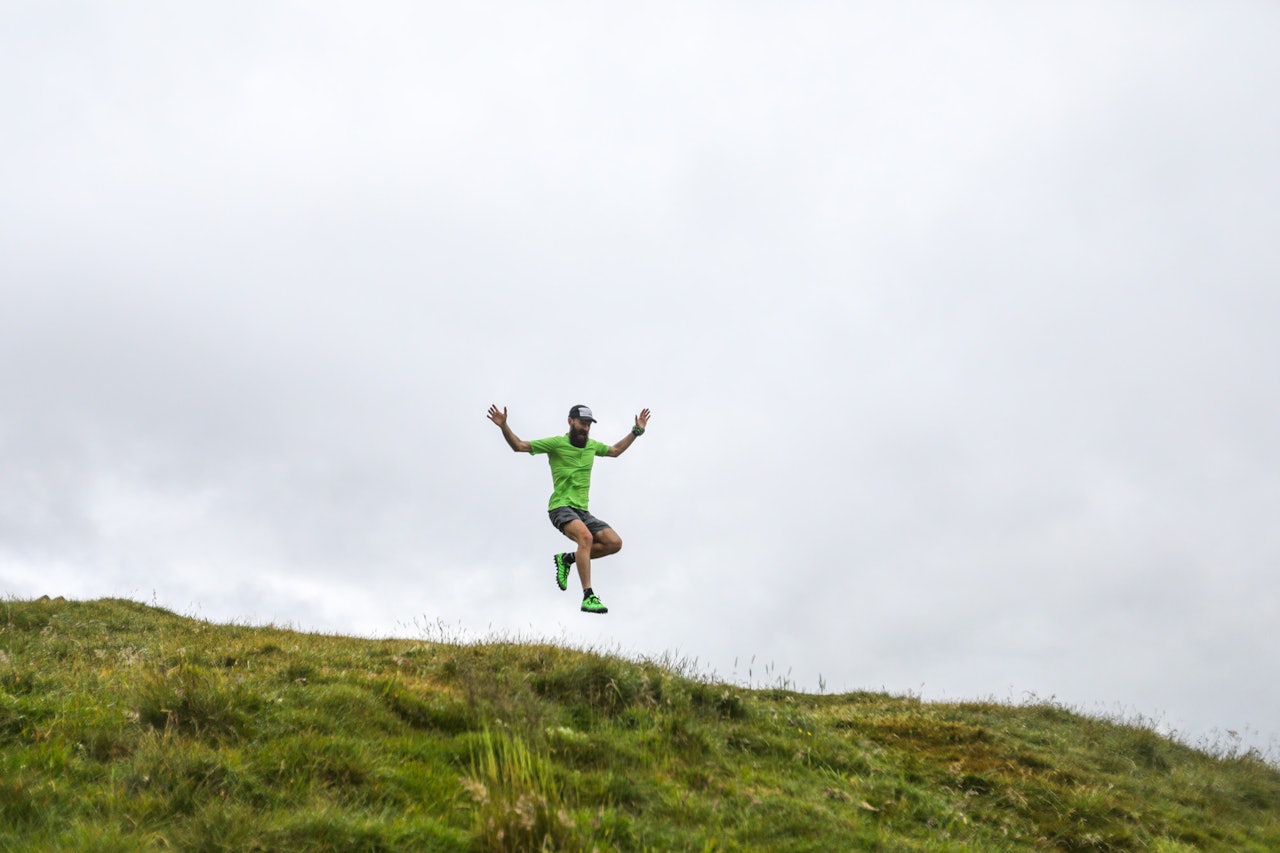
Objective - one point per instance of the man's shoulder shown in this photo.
(542, 445)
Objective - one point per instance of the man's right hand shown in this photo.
(499, 417)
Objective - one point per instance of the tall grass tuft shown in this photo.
(518, 802)
(186, 699)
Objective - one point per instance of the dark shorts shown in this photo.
(562, 515)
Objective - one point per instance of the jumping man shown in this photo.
(571, 457)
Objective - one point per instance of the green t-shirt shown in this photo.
(570, 469)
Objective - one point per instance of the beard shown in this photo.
(577, 437)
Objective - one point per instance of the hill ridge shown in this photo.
(126, 726)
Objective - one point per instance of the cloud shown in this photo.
(956, 326)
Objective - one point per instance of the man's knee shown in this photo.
(579, 533)
(610, 542)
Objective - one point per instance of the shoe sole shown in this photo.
(597, 612)
(563, 584)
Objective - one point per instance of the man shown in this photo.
(571, 457)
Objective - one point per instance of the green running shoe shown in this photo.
(562, 570)
(592, 604)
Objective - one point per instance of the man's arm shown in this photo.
(518, 444)
(627, 440)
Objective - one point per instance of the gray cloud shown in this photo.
(956, 324)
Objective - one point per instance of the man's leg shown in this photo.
(594, 538)
(578, 532)
(607, 541)
(603, 542)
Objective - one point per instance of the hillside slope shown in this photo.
(126, 727)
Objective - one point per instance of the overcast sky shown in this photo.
(958, 325)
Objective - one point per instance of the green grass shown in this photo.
(127, 727)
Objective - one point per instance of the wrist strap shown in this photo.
(637, 431)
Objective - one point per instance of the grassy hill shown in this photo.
(127, 727)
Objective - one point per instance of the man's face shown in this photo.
(578, 432)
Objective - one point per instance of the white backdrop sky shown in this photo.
(957, 321)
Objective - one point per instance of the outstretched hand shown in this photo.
(642, 419)
(498, 417)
